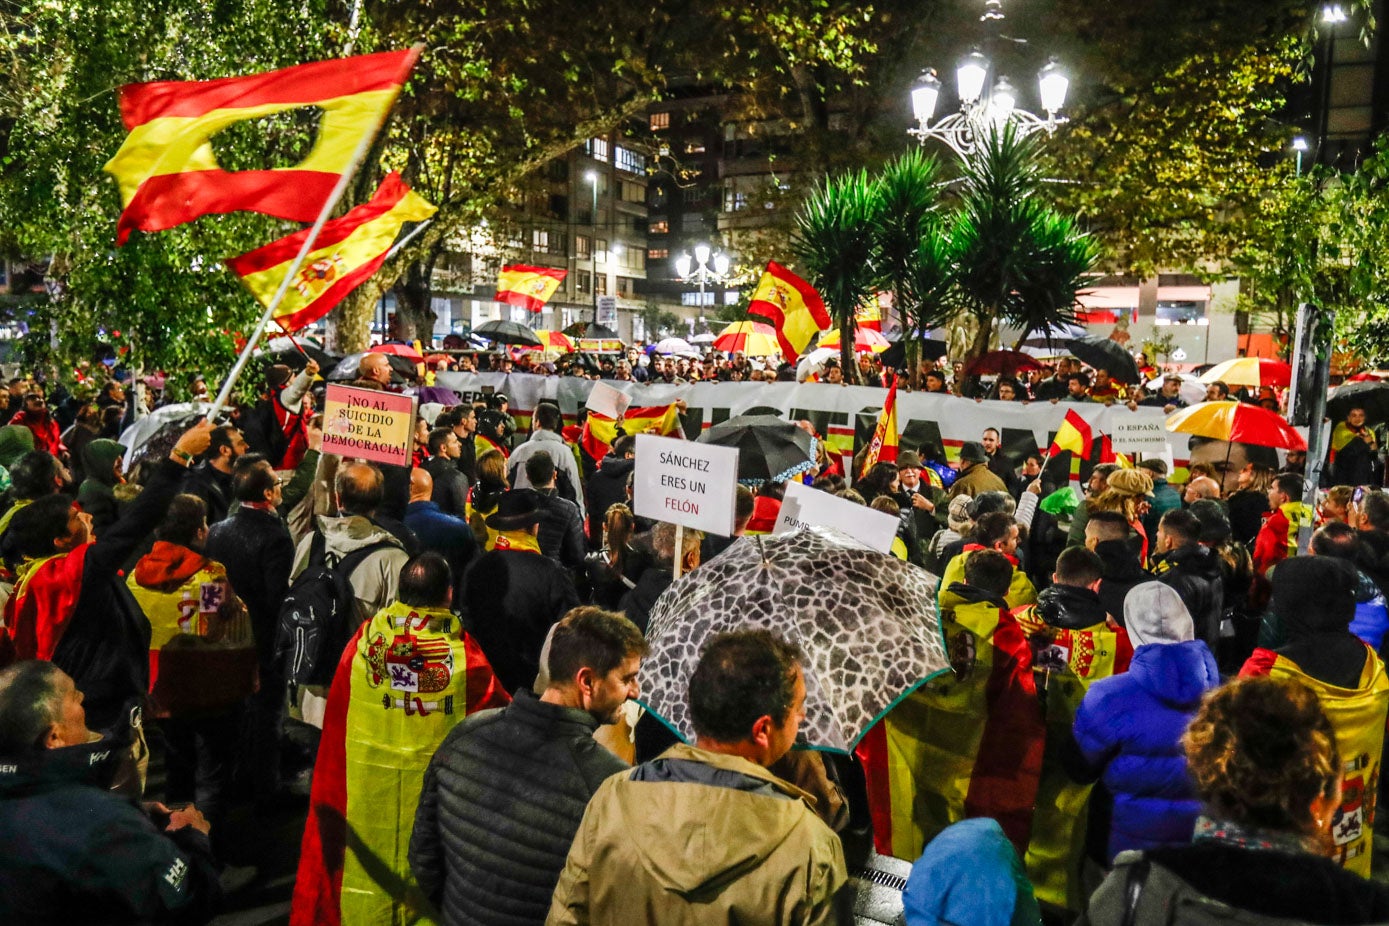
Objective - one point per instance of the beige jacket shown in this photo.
(700, 837)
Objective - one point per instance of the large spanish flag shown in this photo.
(1074, 435)
(408, 677)
(346, 253)
(793, 306)
(883, 447)
(528, 287)
(600, 431)
(168, 172)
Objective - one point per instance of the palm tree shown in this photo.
(1016, 260)
(914, 256)
(835, 244)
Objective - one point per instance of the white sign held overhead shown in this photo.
(807, 507)
(686, 483)
(1149, 437)
(607, 311)
(605, 400)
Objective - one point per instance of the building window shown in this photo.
(582, 244)
(602, 284)
(731, 297)
(660, 121)
(704, 298)
(624, 286)
(540, 241)
(603, 249)
(659, 227)
(657, 253)
(630, 161)
(734, 201)
(582, 281)
(692, 194)
(596, 148)
(633, 192)
(694, 147)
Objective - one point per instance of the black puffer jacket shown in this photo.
(256, 548)
(1193, 572)
(607, 487)
(501, 803)
(450, 486)
(510, 598)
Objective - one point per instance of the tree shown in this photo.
(837, 245)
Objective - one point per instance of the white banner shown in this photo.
(845, 415)
(807, 507)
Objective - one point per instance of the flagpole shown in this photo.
(358, 154)
(408, 238)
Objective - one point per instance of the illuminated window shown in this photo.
(657, 253)
(660, 121)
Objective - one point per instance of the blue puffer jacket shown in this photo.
(1130, 726)
(1371, 619)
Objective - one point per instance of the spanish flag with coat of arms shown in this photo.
(168, 171)
(408, 677)
(347, 251)
(793, 306)
(529, 287)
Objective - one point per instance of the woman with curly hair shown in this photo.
(1263, 757)
(1129, 493)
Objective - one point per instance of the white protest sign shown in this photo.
(1140, 436)
(807, 507)
(605, 400)
(686, 483)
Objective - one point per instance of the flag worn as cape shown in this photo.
(526, 286)
(1357, 715)
(966, 744)
(883, 447)
(346, 253)
(407, 678)
(168, 172)
(792, 305)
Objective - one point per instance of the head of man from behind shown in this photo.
(1178, 528)
(594, 658)
(1104, 526)
(1078, 568)
(540, 470)
(989, 571)
(35, 475)
(426, 582)
(548, 417)
(747, 696)
(359, 489)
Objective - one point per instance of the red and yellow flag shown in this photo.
(168, 172)
(869, 314)
(598, 434)
(528, 287)
(883, 448)
(408, 677)
(346, 253)
(1109, 455)
(600, 431)
(793, 306)
(1073, 435)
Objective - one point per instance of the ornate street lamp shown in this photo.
(701, 270)
(978, 111)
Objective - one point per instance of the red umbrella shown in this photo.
(400, 350)
(1002, 363)
(1237, 422)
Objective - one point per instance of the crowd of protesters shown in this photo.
(473, 753)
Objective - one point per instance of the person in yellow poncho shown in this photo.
(1314, 596)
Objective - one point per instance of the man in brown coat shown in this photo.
(975, 475)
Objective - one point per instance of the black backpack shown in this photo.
(318, 616)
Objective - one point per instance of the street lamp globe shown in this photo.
(591, 176)
(1052, 85)
(720, 264)
(1002, 101)
(1299, 144)
(682, 265)
(924, 96)
(702, 254)
(973, 70)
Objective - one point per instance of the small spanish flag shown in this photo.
(886, 438)
(346, 253)
(1109, 455)
(869, 314)
(793, 306)
(168, 172)
(1073, 435)
(528, 287)
(598, 434)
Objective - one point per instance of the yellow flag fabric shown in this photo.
(1358, 716)
(1021, 591)
(792, 305)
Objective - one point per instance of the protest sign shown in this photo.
(689, 484)
(605, 400)
(807, 507)
(1145, 436)
(369, 424)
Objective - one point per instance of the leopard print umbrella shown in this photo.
(866, 622)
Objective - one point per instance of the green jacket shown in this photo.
(697, 837)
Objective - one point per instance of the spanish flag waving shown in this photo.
(792, 305)
(883, 448)
(1073, 435)
(528, 287)
(168, 172)
(408, 677)
(346, 253)
(600, 431)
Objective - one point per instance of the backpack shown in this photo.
(318, 616)
(1140, 892)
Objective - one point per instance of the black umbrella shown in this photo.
(1107, 355)
(1053, 336)
(1373, 397)
(505, 332)
(770, 449)
(591, 330)
(402, 369)
(296, 360)
(896, 355)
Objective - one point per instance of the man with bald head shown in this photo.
(1199, 488)
(436, 529)
(373, 372)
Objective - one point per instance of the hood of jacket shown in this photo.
(15, 441)
(615, 467)
(168, 565)
(1070, 608)
(1195, 560)
(1120, 561)
(99, 460)
(970, 873)
(342, 535)
(959, 593)
(98, 763)
(1155, 613)
(666, 804)
(1175, 673)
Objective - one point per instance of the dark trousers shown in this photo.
(263, 734)
(198, 763)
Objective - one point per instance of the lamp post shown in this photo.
(1299, 147)
(592, 178)
(979, 110)
(701, 272)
